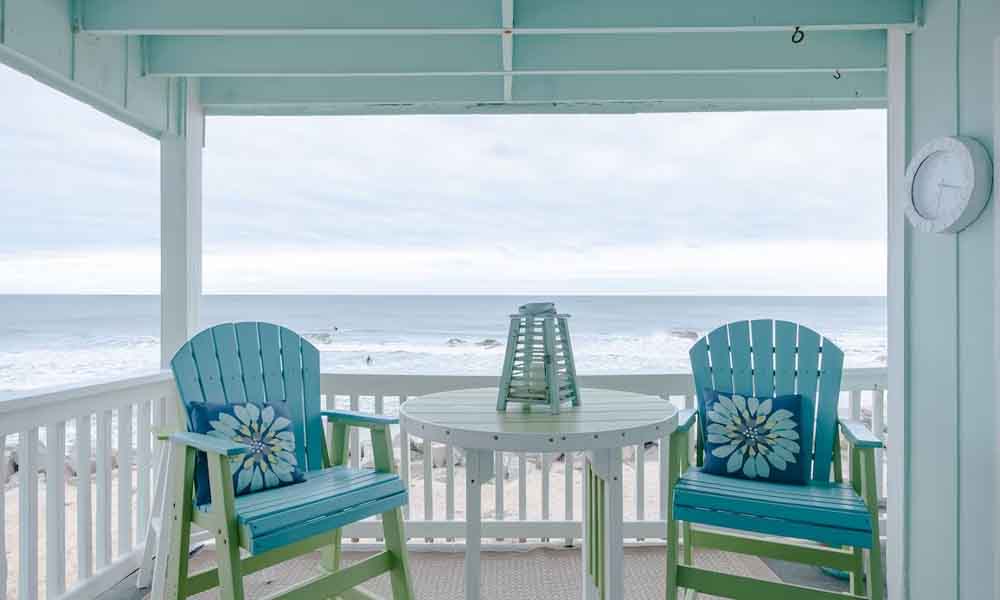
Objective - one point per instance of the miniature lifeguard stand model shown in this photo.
(538, 367)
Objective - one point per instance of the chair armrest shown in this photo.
(685, 419)
(359, 419)
(163, 433)
(207, 443)
(858, 434)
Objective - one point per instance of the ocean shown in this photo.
(66, 339)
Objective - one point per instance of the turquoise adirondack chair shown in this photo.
(258, 363)
(772, 358)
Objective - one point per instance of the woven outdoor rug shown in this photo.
(540, 573)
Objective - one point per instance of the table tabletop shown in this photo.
(605, 419)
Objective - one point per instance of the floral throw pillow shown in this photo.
(267, 429)
(754, 438)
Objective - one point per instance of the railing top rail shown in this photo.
(54, 404)
(655, 383)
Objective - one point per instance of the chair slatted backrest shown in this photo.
(259, 363)
(774, 358)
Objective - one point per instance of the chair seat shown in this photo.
(831, 514)
(328, 499)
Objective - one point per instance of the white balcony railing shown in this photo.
(83, 497)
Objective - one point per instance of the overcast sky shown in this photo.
(732, 204)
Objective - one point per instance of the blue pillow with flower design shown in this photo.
(754, 438)
(267, 429)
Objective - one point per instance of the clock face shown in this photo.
(938, 186)
(947, 184)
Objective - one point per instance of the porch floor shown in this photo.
(545, 573)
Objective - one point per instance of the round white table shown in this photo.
(605, 422)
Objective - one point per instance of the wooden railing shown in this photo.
(79, 522)
(82, 507)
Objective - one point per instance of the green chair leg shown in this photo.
(180, 515)
(685, 459)
(688, 544)
(227, 537)
(677, 443)
(876, 581)
(392, 521)
(395, 542)
(330, 556)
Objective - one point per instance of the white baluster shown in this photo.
(498, 483)
(404, 459)
(449, 457)
(878, 427)
(103, 496)
(355, 440)
(522, 488)
(568, 493)
(428, 483)
(124, 480)
(640, 483)
(84, 521)
(55, 510)
(143, 462)
(27, 495)
(546, 476)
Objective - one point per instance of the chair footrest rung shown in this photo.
(333, 584)
(737, 586)
(820, 556)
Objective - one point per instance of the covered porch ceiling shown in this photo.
(261, 57)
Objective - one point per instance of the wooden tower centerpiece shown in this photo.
(538, 367)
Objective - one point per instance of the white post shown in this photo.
(896, 555)
(180, 222)
(180, 284)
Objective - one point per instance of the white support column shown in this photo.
(896, 555)
(180, 221)
(180, 288)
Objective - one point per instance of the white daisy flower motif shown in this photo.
(753, 438)
(271, 460)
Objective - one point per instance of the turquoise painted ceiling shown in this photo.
(471, 56)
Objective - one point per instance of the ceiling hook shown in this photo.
(836, 74)
(798, 36)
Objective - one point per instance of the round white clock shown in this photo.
(948, 184)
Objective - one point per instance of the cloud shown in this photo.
(687, 203)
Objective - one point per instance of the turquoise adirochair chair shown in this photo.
(263, 363)
(770, 358)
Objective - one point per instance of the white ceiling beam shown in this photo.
(355, 56)
(382, 17)
(757, 88)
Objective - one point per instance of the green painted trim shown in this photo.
(736, 586)
(793, 552)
